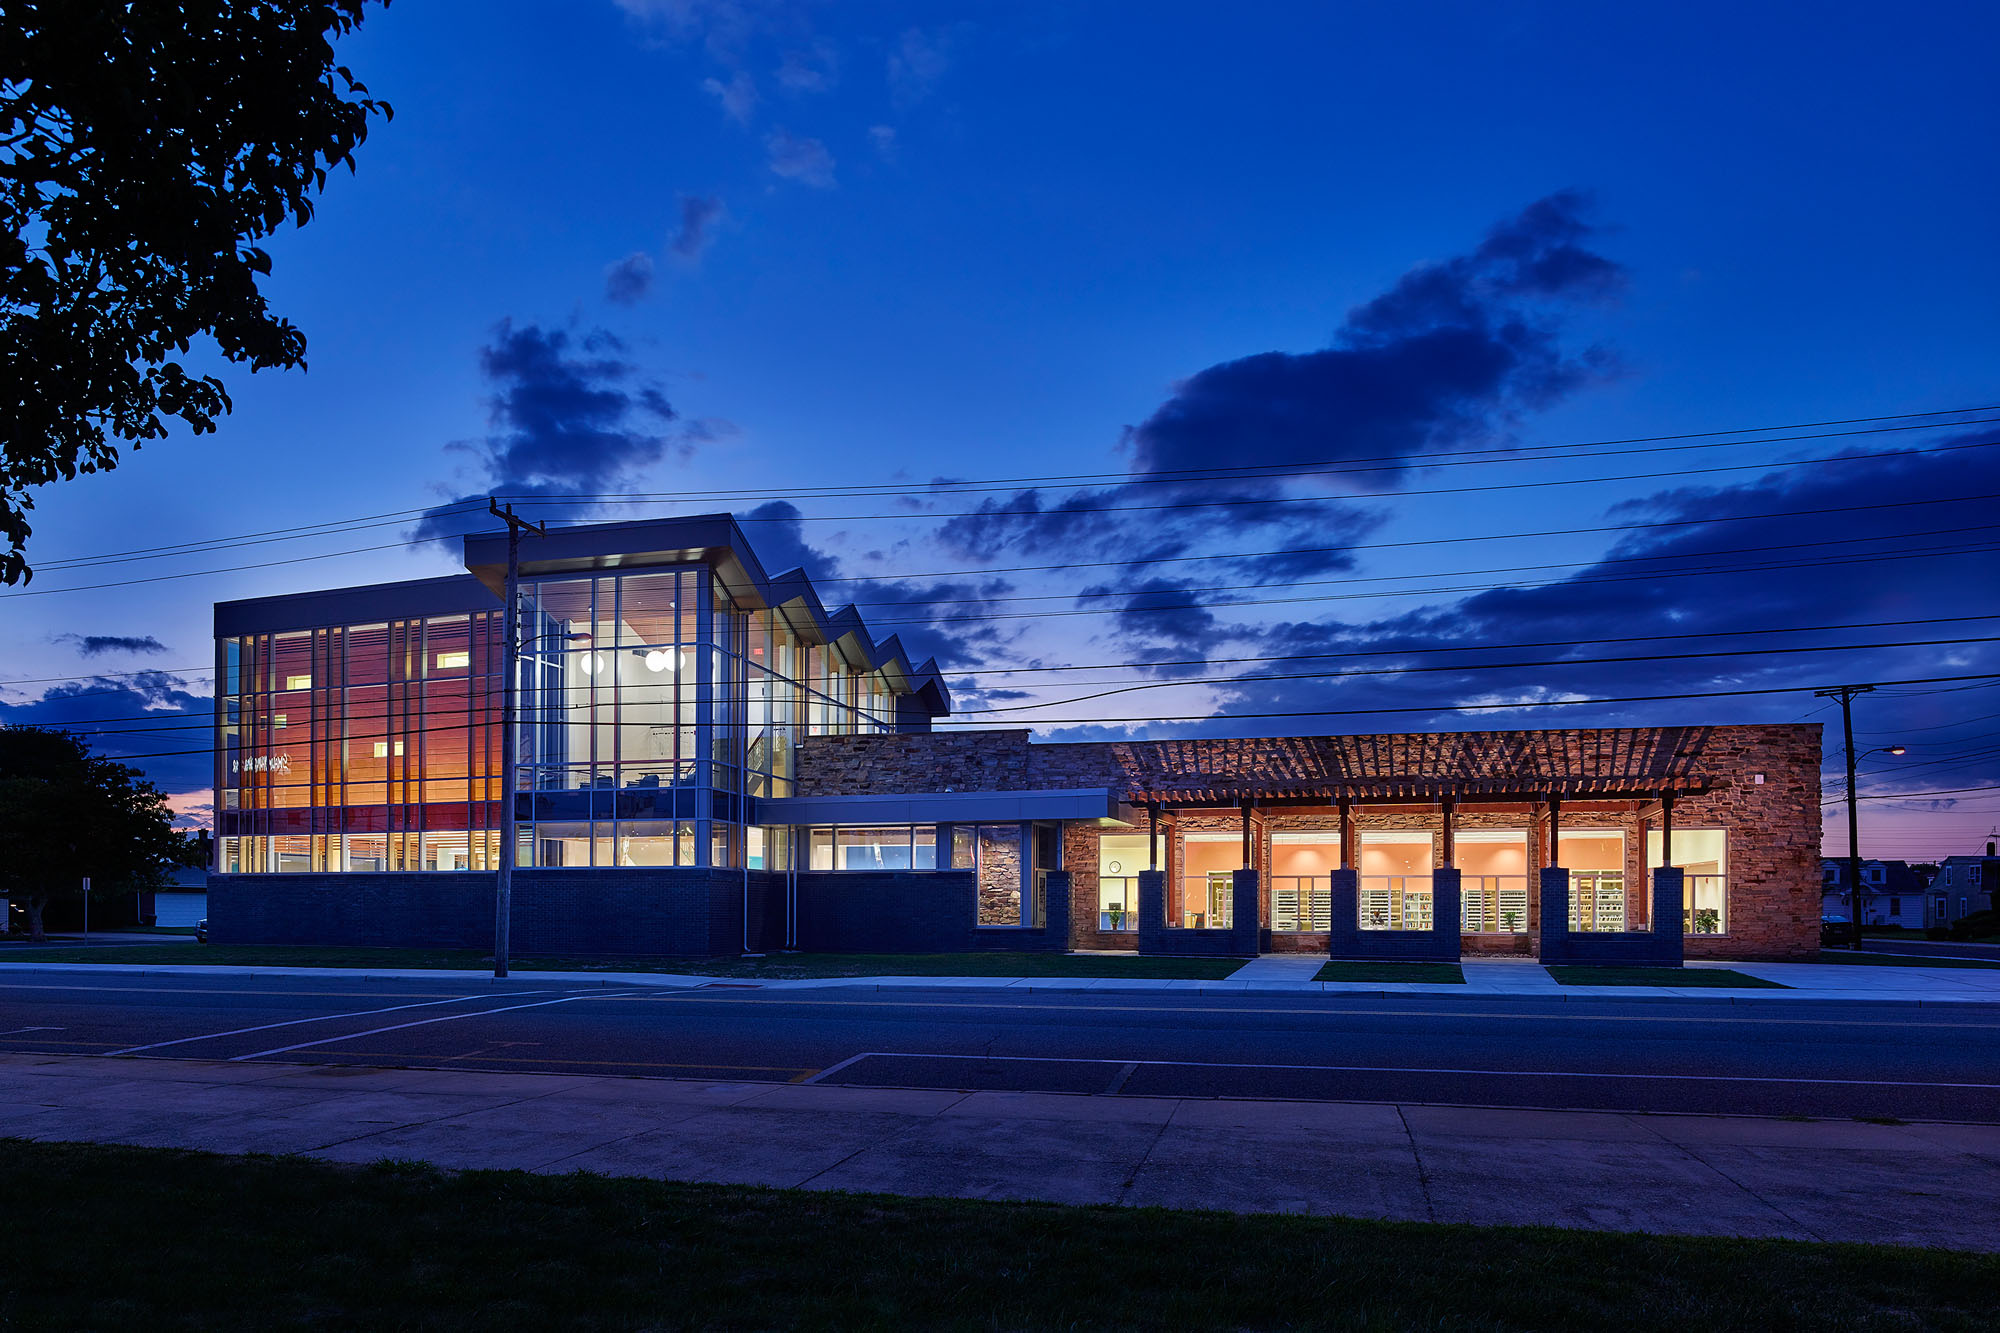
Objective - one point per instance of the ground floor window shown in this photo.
(1302, 864)
(993, 852)
(1595, 859)
(1493, 880)
(1702, 855)
(878, 847)
(1395, 879)
(1120, 858)
(1209, 862)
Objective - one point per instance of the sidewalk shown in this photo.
(1272, 974)
(1918, 1184)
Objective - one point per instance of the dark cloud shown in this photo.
(1453, 355)
(157, 724)
(570, 418)
(925, 615)
(96, 645)
(630, 279)
(1713, 581)
(698, 219)
(1158, 619)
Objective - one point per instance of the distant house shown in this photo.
(1892, 893)
(183, 900)
(1964, 885)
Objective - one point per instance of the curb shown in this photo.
(1019, 985)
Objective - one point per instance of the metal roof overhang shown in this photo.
(702, 538)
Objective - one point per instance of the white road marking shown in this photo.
(18, 1031)
(322, 1018)
(398, 1027)
(1395, 1069)
(835, 1069)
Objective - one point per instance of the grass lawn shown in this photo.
(1433, 974)
(796, 966)
(107, 1237)
(1900, 960)
(1577, 974)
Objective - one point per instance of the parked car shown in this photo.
(201, 931)
(1832, 930)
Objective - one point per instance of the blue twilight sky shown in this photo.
(655, 247)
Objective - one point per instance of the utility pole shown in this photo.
(1846, 693)
(503, 891)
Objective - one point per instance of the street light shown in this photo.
(1854, 827)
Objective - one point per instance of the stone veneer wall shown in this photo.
(1773, 825)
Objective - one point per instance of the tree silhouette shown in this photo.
(145, 146)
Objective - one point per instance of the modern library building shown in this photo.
(710, 762)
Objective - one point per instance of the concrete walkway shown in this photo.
(1919, 1184)
(1286, 974)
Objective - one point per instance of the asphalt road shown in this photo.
(1813, 1059)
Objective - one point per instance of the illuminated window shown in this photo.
(298, 682)
(446, 661)
(382, 749)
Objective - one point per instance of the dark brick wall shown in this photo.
(696, 913)
(1346, 939)
(912, 911)
(1646, 948)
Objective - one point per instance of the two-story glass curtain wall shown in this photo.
(359, 747)
(653, 710)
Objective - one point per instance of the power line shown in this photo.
(1646, 576)
(192, 722)
(1292, 713)
(1473, 666)
(1504, 454)
(1649, 525)
(1395, 463)
(986, 598)
(1238, 502)
(1389, 651)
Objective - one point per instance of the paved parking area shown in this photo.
(1920, 1184)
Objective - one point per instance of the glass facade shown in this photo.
(360, 747)
(653, 711)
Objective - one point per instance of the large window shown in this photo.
(1208, 865)
(1595, 859)
(1703, 855)
(359, 747)
(652, 709)
(1395, 879)
(1120, 858)
(1302, 865)
(999, 856)
(1493, 880)
(889, 847)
